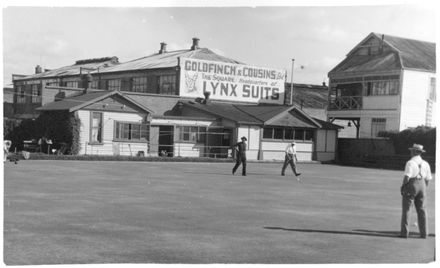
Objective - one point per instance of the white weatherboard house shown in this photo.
(385, 83)
(111, 123)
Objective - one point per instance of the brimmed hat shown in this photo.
(243, 138)
(417, 147)
(293, 142)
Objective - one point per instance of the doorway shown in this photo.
(166, 141)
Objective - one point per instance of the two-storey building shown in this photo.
(385, 83)
(190, 102)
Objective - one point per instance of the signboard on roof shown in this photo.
(231, 82)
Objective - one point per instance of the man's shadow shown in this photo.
(354, 232)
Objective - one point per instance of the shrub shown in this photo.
(59, 126)
(406, 138)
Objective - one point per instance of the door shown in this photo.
(166, 141)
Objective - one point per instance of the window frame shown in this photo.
(100, 134)
(117, 134)
(139, 86)
(163, 80)
(35, 93)
(382, 87)
(21, 94)
(199, 134)
(114, 84)
(378, 124)
(293, 131)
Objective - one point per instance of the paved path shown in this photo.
(64, 212)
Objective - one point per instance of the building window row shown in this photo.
(287, 134)
(30, 92)
(166, 84)
(191, 134)
(377, 88)
(132, 131)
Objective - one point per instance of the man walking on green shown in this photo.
(290, 159)
(240, 148)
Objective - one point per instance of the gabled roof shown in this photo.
(168, 59)
(263, 112)
(400, 53)
(327, 125)
(307, 95)
(77, 102)
(415, 54)
(259, 114)
(75, 69)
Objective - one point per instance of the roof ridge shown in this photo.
(399, 37)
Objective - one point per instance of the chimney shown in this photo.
(206, 100)
(163, 48)
(195, 44)
(38, 69)
(86, 81)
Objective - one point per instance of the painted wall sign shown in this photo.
(232, 82)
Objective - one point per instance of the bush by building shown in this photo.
(404, 139)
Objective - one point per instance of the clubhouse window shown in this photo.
(287, 134)
(131, 131)
(191, 133)
(96, 128)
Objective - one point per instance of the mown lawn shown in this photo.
(76, 212)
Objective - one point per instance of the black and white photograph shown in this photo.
(219, 132)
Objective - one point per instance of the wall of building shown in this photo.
(252, 134)
(181, 149)
(326, 144)
(274, 150)
(392, 121)
(415, 93)
(109, 146)
(391, 102)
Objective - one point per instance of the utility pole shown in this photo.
(291, 83)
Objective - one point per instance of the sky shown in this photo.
(270, 35)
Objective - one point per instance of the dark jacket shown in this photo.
(241, 149)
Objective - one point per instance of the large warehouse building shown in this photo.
(181, 103)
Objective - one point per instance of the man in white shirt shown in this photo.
(290, 159)
(415, 180)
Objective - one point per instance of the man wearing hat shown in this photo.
(240, 147)
(415, 180)
(290, 159)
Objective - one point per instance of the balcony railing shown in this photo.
(346, 103)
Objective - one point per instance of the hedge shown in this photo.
(425, 136)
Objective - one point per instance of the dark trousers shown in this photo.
(289, 160)
(419, 189)
(240, 160)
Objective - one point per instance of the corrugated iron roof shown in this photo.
(167, 60)
(225, 110)
(77, 102)
(415, 54)
(72, 102)
(263, 112)
(75, 69)
(308, 96)
(403, 53)
(327, 125)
